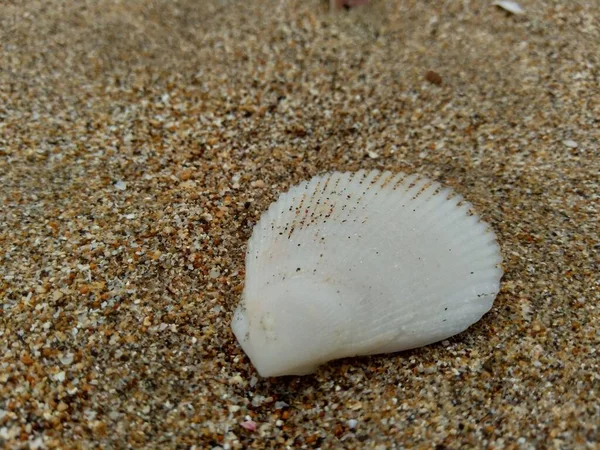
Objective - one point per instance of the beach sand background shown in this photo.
(141, 140)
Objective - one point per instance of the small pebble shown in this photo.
(258, 400)
(237, 380)
(59, 376)
(120, 185)
(249, 425)
(67, 359)
(569, 143)
(433, 77)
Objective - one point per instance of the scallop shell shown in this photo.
(362, 263)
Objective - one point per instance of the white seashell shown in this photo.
(362, 263)
(510, 6)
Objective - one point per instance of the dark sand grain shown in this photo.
(139, 142)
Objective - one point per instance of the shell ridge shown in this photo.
(340, 214)
(278, 221)
(392, 206)
(381, 205)
(396, 261)
(458, 215)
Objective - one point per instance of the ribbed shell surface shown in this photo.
(413, 264)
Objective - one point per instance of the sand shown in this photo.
(141, 140)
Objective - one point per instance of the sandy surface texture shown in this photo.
(141, 140)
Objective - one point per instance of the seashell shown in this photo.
(350, 264)
(510, 6)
